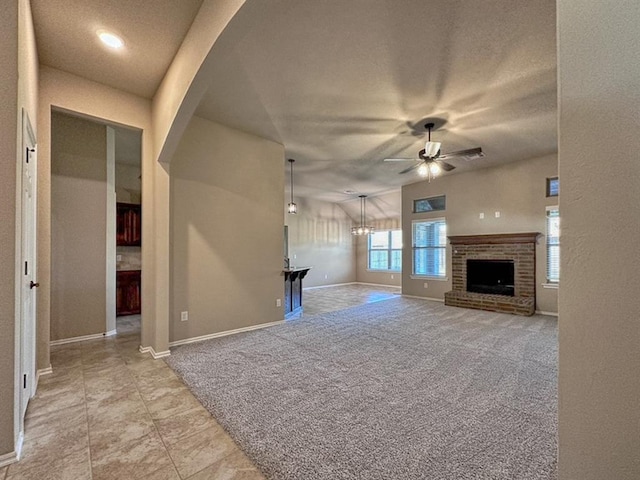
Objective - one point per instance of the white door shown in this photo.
(28, 268)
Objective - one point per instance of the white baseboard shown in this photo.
(94, 336)
(551, 314)
(378, 285)
(12, 457)
(153, 353)
(19, 444)
(40, 373)
(441, 300)
(224, 334)
(328, 286)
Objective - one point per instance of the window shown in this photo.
(385, 250)
(430, 248)
(431, 204)
(553, 245)
(553, 187)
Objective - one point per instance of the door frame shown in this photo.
(25, 355)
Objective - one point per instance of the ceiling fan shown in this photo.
(430, 162)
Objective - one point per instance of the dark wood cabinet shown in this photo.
(128, 292)
(128, 224)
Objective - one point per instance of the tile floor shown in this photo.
(329, 299)
(110, 412)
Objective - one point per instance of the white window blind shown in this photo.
(385, 250)
(553, 245)
(430, 247)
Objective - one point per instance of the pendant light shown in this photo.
(292, 208)
(362, 229)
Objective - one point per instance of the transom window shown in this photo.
(430, 248)
(431, 204)
(385, 250)
(553, 187)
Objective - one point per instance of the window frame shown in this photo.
(556, 279)
(427, 199)
(414, 248)
(549, 181)
(389, 249)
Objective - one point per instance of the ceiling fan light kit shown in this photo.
(431, 149)
(362, 229)
(430, 160)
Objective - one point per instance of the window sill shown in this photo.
(383, 271)
(552, 286)
(428, 277)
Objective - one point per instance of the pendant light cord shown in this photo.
(291, 161)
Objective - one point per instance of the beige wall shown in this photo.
(78, 227)
(69, 92)
(188, 76)
(8, 192)
(18, 90)
(110, 233)
(516, 190)
(320, 237)
(379, 206)
(128, 183)
(599, 328)
(226, 230)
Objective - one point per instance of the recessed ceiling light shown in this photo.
(111, 40)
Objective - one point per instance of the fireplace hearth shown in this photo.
(494, 272)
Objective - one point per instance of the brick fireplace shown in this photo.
(519, 248)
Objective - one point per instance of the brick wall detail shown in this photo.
(520, 247)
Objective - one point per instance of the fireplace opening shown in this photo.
(490, 276)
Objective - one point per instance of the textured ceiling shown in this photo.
(341, 84)
(344, 85)
(152, 30)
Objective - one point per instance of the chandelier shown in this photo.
(292, 207)
(362, 229)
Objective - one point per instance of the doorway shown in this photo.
(87, 181)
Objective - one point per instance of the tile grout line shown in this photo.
(187, 436)
(86, 413)
(155, 426)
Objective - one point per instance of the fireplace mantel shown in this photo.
(493, 239)
(520, 248)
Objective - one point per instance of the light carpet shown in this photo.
(398, 389)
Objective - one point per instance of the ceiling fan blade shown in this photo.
(400, 160)
(411, 168)
(447, 167)
(470, 153)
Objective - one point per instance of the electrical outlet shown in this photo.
(497, 214)
(326, 276)
(278, 302)
(295, 256)
(426, 285)
(184, 316)
(118, 258)
(481, 216)
(392, 277)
